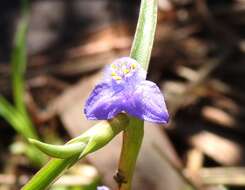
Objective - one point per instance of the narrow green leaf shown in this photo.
(15, 118)
(92, 140)
(18, 63)
(18, 68)
(59, 151)
(55, 167)
(23, 127)
(17, 115)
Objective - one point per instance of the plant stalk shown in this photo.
(132, 139)
(141, 52)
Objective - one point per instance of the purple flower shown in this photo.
(103, 188)
(125, 89)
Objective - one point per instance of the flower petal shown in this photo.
(148, 103)
(103, 103)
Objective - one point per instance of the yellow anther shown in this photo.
(133, 66)
(113, 66)
(117, 77)
(126, 71)
(113, 74)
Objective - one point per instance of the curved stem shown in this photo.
(99, 136)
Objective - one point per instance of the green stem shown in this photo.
(141, 51)
(47, 175)
(145, 32)
(99, 135)
(132, 139)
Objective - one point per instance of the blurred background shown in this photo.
(197, 61)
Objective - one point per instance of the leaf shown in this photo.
(59, 151)
(15, 118)
(19, 59)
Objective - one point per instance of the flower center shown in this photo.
(122, 69)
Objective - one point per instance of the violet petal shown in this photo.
(103, 103)
(148, 103)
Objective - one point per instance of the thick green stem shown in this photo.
(132, 139)
(141, 51)
(145, 33)
(47, 175)
(96, 137)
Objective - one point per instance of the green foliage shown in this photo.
(102, 133)
(16, 115)
(90, 141)
(59, 151)
(19, 61)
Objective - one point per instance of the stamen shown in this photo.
(126, 71)
(113, 74)
(133, 66)
(117, 77)
(113, 66)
